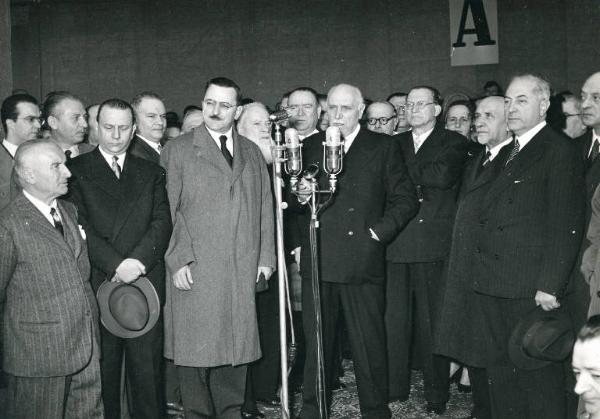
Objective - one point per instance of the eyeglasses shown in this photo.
(32, 119)
(383, 120)
(416, 106)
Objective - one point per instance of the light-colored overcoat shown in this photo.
(222, 228)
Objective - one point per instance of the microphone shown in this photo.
(333, 151)
(293, 165)
(279, 116)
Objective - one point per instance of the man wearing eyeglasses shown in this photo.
(222, 243)
(381, 117)
(416, 259)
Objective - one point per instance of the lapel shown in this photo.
(209, 152)
(70, 228)
(586, 144)
(359, 154)
(477, 176)
(129, 187)
(36, 221)
(102, 175)
(6, 162)
(523, 161)
(429, 148)
(144, 148)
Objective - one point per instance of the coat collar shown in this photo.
(207, 150)
(477, 176)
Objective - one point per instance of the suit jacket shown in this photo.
(435, 170)
(141, 149)
(592, 171)
(532, 221)
(374, 191)
(462, 333)
(223, 229)
(124, 218)
(8, 186)
(50, 313)
(85, 148)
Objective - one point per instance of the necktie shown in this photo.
(115, 167)
(225, 151)
(594, 152)
(159, 148)
(68, 154)
(513, 152)
(487, 159)
(57, 223)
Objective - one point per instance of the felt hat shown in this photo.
(128, 310)
(540, 338)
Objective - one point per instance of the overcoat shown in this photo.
(223, 229)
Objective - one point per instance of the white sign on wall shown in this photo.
(473, 32)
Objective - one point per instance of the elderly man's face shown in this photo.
(151, 118)
(68, 123)
(399, 103)
(255, 125)
(220, 108)
(421, 111)
(458, 119)
(304, 111)
(344, 109)
(381, 117)
(490, 121)
(192, 120)
(574, 123)
(590, 102)
(48, 175)
(27, 125)
(524, 108)
(586, 366)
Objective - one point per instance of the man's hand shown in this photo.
(129, 270)
(547, 301)
(182, 279)
(304, 191)
(266, 270)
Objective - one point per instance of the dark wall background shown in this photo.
(99, 49)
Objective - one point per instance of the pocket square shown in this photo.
(518, 181)
(81, 231)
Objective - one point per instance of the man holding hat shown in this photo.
(123, 207)
(51, 354)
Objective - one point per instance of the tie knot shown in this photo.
(68, 154)
(223, 139)
(52, 212)
(115, 159)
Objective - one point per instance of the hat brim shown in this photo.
(516, 352)
(111, 324)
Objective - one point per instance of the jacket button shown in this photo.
(351, 233)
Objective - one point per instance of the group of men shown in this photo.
(429, 241)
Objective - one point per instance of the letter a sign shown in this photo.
(473, 32)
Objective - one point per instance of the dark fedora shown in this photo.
(128, 310)
(540, 338)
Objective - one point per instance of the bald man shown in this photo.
(381, 117)
(374, 201)
(458, 335)
(51, 352)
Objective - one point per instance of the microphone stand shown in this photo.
(278, 152)
(316, 206)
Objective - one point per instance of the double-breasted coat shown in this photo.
(223, 229)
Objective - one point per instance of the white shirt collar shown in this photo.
(525, 138)
(496, 149)
(418, 140)
(302, 137)
(10, 147)
(215, 136)
(349, 139)
(595, 138)
(42, 207)
(109, 158)
(155, 146)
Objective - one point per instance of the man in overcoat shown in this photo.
(223, 240)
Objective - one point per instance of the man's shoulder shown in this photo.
(13, 211)
(142, 164)
(81, 161)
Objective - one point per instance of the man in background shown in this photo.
(151, 123)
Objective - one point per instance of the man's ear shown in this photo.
(52, 121)
(238, 112)
(361, 110)
(438, 109)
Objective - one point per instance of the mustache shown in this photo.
(215, 118)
